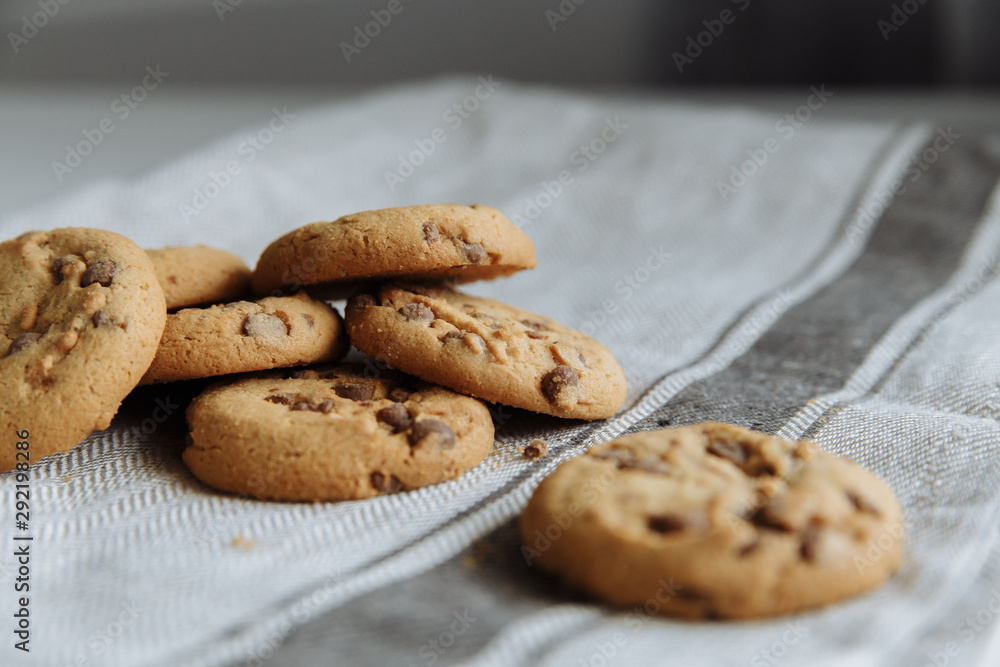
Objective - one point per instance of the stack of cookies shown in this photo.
(409, 415)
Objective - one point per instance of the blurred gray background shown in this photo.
(64, 63)
(606, 42)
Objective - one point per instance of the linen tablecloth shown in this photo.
(788, 273)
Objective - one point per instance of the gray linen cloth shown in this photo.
(794, 275)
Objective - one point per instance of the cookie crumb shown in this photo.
(243, 543)
(537, 448)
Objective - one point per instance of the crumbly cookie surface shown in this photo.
(435, 241)
(247, 336)
(81, 312)
(735, 524)
(332, 433)
(196, 275)
(487, 349)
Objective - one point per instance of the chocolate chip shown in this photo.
(623, 458)
(431, 232)
(396, 417)
(536, 326)
(488, 320)
(57, 266)
(99, 272)
(399, 395)
(748, 548)
(309, 320)
(473, 340)
(22, 342)
(534, 335)
(729, 450)
(765, 518)
(536, 449)
(556, 381)
(101, 320)
(862, 504)
(417, 312)
(282, 398)
(809, 544)
(385, 484)
(263, 325)
(362, 301)
(355, 391)
(667, 523)
(475, 252)
(436, 432)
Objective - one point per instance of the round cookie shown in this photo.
(80, 315)
(247, 336)
(714, 521)
(487, 349)
(195, 275)
(331, 433)
(437, 241)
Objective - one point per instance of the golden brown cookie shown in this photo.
(80, 315)
(196, 275)
(247, 336)
(331, 433)
(438, 241)
(487, 349)
(714, 521)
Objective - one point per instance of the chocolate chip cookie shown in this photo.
(247, 336)
(461, 243)
(714, 521)
(196, 275)
(332, 433)
(80, 315)
(487, 349)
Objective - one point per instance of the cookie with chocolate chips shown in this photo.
(80, 315)
(332, 433)
(196, 275)
(460, 243)
(714, 521)
(247, 336)
(487, 349)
